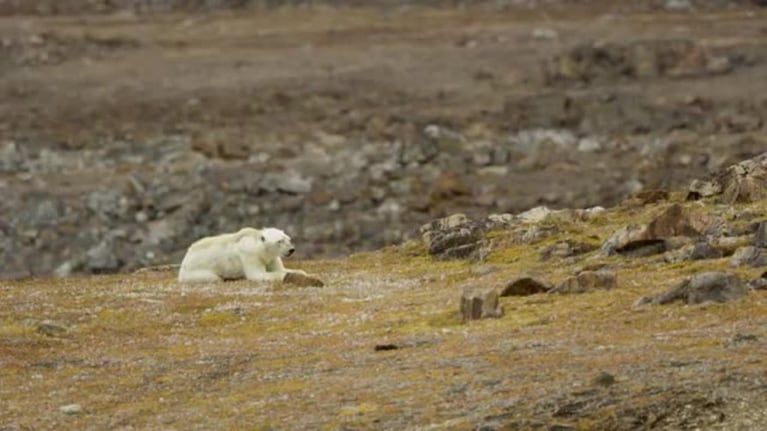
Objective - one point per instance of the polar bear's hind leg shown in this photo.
(198, 276)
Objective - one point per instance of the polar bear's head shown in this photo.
(277, 242)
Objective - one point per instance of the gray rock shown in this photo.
(703, 287)
(604, 379)
(678, 5)
(457, 243)
(51, 329)
(703, 189)
(41, 212)
(751, 256)
(758, 284)
(543, 33)
(742, 182)
(11, 158)
(480, 304)
(71, 409)
(760, 236)
(696, 251)
(286, 182)
(728, 244)
(524, 286)
(566, 248)
(644, 240)
(102, 258)
(429, 229)
(534, 215)
(108, 204)
(586, 281)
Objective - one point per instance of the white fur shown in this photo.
(250, 253)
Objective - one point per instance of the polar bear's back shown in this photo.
(218, 253)
(225, 240)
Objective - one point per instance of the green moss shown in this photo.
(217, 318)
(445, 319)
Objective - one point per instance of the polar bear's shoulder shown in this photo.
(224, 239)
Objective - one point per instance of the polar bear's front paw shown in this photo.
(302, 279)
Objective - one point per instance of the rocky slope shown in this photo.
(125, 137)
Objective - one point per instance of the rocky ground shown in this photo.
(459, 134)
(129, 128)
(648, 315)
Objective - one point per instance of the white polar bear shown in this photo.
(249, 253)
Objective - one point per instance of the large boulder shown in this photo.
(654, 237)
(480, 304)
(742, 182)
(703, 287)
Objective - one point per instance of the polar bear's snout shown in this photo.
(291, 251)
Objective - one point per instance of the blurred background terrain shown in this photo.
(129, 128)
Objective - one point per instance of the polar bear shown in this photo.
(253, 254)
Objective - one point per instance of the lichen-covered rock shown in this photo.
(586, 281)
(696, 251)
(456, 243)
(742, 182)
(703, 287)
(567, 248)
(760, 236)
(442, 224)
(643, 240)
(750, 256)
(479, 304)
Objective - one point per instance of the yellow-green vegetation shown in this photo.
(381, 346)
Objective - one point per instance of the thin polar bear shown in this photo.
(253, 254)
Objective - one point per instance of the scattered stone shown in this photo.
(646, 59)
(108, 204)
(586, 281)
(102, 258)
(480, 304)
(544, 34)
(534, 215)
(742, 182)
(51, 329)
(604, 379)
(567, 248)
(453, 237)
(700, 189)
(287, 182)
(677, 220)
(696, 251)
(505, 219)
(645, 240)
(740, 338)
(678, 5)
(703, 287)
(751, 256)
(445, 223)
(298, 279)
(71, 409)
(760, 236)
(759, 283)
(484, 270)
(524, 286)
(728, 244)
